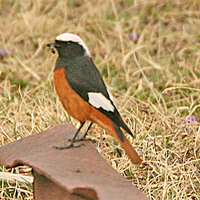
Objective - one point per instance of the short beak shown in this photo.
(52, 47)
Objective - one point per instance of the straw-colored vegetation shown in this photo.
(154, 78)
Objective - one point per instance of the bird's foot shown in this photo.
(71, 145)
(80, 139)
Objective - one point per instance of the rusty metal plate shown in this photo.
(69, 169)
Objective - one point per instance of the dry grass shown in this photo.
(155, 91)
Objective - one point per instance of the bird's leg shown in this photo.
(84, 136)
(73, 140)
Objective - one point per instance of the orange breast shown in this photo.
(72, 102)
(76, 106)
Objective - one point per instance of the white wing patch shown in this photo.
(98, 100)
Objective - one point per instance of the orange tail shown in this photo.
(130, 151)
(116, 132)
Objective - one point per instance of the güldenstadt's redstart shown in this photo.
(83, 93)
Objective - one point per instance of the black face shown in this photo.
(69, 49)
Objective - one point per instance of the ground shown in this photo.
(148, 54)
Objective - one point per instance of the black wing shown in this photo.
(83, 77)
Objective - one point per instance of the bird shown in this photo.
(83, 92)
